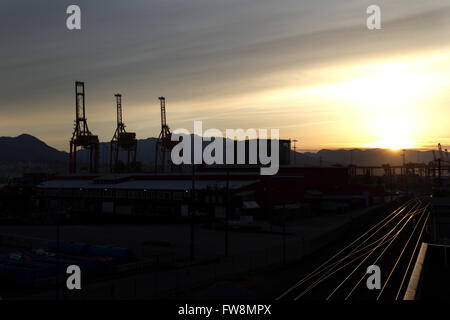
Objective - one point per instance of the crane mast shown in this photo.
(164, 144)
(81, 136)
(122, 139)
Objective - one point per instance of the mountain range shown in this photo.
(26, 147)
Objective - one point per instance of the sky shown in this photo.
(311, 69)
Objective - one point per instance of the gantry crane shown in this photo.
(81, 136)
(122, 139)
(441, 160)
(164, 144)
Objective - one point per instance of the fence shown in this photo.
(172, 280)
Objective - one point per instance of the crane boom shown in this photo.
(119, 110)
(163, 112)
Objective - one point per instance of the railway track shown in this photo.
(391, 244)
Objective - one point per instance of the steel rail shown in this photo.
(373, 251)
(328, 274)
(403, 251)
(393, 214)
(378, 258)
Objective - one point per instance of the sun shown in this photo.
(393, 132)
(385, 99)
(369, 103)
(393, 144)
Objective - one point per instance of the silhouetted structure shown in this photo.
(122, 139)
(164, 144)
(81, 136)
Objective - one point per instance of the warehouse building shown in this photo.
(242, 188)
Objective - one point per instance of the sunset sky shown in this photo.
(310, 68)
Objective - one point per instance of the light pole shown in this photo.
(284, 232)
(295, 150)
(193, 212)
(227, 212)
(58, 258)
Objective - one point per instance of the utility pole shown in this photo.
(284, 232)
(439, 172)
(392, 184)
(295, 150)
(58, 253)
(227, 212)
(193, 212)
(403, 169)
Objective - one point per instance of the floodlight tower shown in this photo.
(121, 139)
(81, 136)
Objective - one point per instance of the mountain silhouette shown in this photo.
(28, 148)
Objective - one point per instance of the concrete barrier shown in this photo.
(414, 285)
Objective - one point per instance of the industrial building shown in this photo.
(240, 188)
